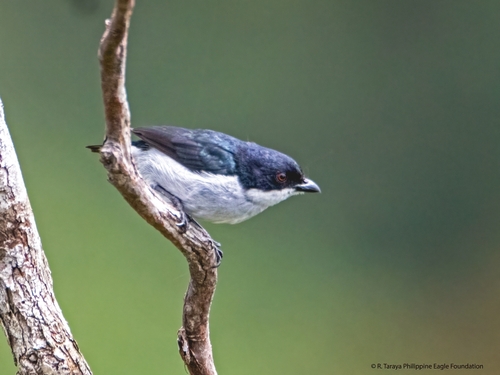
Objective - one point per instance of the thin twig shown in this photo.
(192, 240)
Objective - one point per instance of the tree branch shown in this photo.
(36, 330)
(192, 240)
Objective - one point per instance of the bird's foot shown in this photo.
(218, 253)
(184, 218)
(177, 203)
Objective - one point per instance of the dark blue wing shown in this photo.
(198, 150)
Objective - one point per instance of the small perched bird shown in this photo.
(213, 176)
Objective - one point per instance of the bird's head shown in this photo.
(268, 170)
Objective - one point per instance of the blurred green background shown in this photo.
(392, 107)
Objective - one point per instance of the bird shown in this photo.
(213, 176)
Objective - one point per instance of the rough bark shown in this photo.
(36, 330)
(191, 239)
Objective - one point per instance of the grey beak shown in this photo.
(308, 186)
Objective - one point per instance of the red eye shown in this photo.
(281, 177)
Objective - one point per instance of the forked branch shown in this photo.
(192, 240)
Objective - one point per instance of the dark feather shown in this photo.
(198, 150)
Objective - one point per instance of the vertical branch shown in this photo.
(36, 330)
(192, 240)
(112, 56)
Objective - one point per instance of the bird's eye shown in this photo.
(281, 177)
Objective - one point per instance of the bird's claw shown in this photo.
(217, 252)
(218, 257)
(183, 219)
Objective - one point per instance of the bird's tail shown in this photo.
(94, 148)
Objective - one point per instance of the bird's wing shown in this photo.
(198, 150)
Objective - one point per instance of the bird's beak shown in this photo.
(308, 186)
